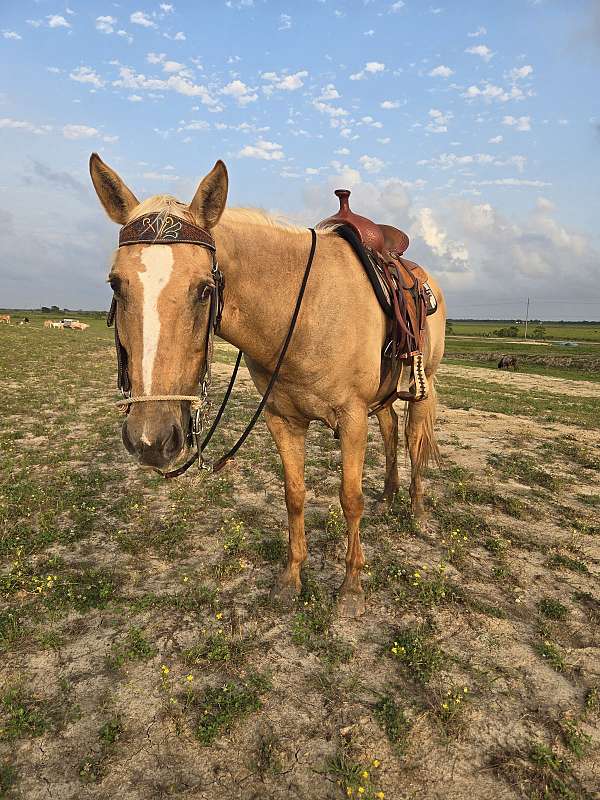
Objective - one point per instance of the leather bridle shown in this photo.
(164, 228)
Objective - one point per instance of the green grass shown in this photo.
(134, 647)
(552, 655)
(505, 398)
(419, 657)
(393, 721)
(22, 715)
(553, 609)
(218, 709)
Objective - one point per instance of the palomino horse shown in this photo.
(331, 372)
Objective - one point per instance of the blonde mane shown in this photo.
(167, 204)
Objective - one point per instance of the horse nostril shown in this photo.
(173, 443)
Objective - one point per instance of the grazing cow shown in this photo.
(79, 326)
(5, 318)
(47, 323)
(58, 325)
(508, 362)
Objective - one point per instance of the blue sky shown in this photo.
(475, 126)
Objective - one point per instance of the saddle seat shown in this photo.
(402, 291)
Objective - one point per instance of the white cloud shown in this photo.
(129, 79)
(167, 8)
(371, 163)
(342, 151)
(177, 37)
(331, 111)
(195, 125)
(141, 18)
(438, 120)
(441, 72)
(518, 73)
(397, 6)
(371, 67)
(492, 93)
(436, 238)
(519, 123)
(11, 35)
(389, 104)
(240, 92)
(267, 151)
(512, 182)
(17, 124)
(385, 140)
(35, 23)
(285, 22)
(87, 75)
(481, 31)
(106, 24)
(79, 132)
(159, 176)
(496, 139)
(56, 21)
(287, 83)
(329, 92)
(481, 50)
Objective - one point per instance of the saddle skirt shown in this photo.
(402, 290)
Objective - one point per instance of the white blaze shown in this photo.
(158, 262)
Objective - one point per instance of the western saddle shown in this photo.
(402, 289)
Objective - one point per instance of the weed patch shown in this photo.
(220, 708)
(419, 657)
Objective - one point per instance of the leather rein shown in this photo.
(163, 228)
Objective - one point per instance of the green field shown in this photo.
(569, 331)
(141, 656)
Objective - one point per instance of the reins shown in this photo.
(160, 228)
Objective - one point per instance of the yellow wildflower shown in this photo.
(189, 678)
(364, 774)
(219, 615)
(376, 762)
(361, 789)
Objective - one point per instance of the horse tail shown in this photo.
(419, 432)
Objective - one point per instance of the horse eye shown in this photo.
(205, 293)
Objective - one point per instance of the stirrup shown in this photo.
(413, 385)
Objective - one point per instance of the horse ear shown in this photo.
(117, 199)
(210, 198)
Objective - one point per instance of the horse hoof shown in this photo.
(351, 605)
(284, 594)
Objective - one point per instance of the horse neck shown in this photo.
(263, 267)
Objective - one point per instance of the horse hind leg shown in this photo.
(388, 425)
(420, 442)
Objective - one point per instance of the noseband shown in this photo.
(162, 228)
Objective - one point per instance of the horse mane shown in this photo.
(167, 204)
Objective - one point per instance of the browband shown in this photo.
(161, 228)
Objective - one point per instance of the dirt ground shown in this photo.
(142, 657)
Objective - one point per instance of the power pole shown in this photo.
(526, 317)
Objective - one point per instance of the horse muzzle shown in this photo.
(156, 446)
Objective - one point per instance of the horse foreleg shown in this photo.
(421, 444)
(290, 438)
(353, 437)
(388, 425)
